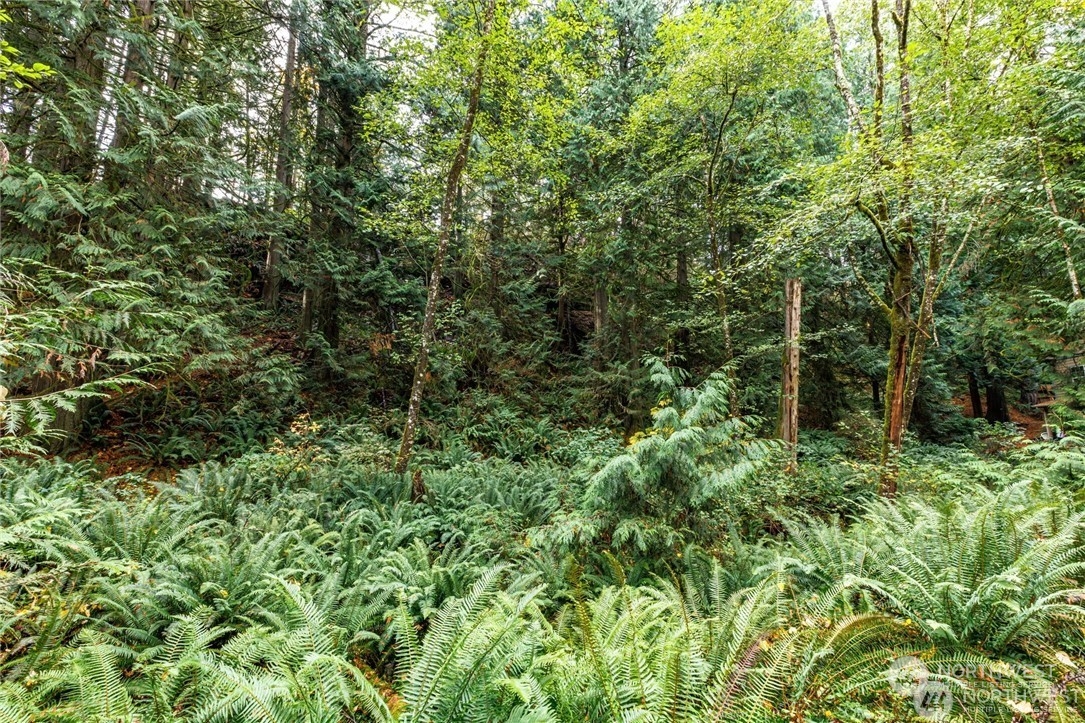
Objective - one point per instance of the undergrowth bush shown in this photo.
(682, 577)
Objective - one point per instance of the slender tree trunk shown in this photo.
(498, 224)
(879, 68)
(178, 62)
(723, 263)
(283, 175)
(789, 393)
(334, 149)
(683, 342)
(924, 327)
(728, 348)
(600, 309)
(320, 214)
(904, 360)
(855, 118)
(77, 155)
(565, 332)
(565, 323)
(332, 224)
(459, 162)
(600, 319)
(898, 383)
(320, 311)
(974, 396)
(137, 65)
(720, 264)
(1071, 271)
(719, 270)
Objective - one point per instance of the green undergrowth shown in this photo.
(681, 577)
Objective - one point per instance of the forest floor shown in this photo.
(1030, 423)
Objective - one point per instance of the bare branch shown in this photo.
(855, 120)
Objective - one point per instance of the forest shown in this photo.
(542, 361)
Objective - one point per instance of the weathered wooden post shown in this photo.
(789, 393)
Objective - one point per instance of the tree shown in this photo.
(921, 169)
(444, 234)
(284, 166)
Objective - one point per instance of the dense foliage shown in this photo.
(304, 584)
(421, 361)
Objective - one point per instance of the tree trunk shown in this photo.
(283, 176)
(460, 278)
(599, 309)
(178, 62)
(498, 224)
(855, 118)
(1071, 271)
(974, 396)
(789, 393)
(565, 321)
(565, 330)
(320, 215)
(77, 155)
(898, 387)
(448, 206)
(997, 410)
(682, 340)
(137, 65)
(729, 354)
(924, 328)
(65, 142)
(722, 263)
(331, 215)
(320, 311)
(879, 68)
(896, 383)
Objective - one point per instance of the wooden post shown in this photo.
(789, 394)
